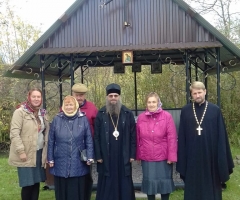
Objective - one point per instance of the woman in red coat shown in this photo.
(156, 148)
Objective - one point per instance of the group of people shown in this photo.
(113, 138)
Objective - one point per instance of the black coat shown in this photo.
(204, 161)
(101, 139)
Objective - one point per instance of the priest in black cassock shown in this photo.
(204, 156)
(115, 148)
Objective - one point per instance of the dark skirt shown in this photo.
(30, 175)
(157, 178)
(72, 188)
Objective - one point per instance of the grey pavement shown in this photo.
(142, 195)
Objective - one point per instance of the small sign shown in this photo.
(156, 68)
(119, 68)
(127, 57)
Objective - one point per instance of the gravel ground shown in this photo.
(137, 174)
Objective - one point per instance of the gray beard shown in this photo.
(113, 109)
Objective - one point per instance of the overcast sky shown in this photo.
(40, 12)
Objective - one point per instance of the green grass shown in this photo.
(9, 188)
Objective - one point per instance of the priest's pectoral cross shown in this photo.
(199, 129)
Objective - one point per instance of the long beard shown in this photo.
(113, 109)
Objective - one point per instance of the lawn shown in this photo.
(10, 190)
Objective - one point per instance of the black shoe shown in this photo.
(224, 186)
(45, 187)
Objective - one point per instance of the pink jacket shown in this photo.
(156, 137)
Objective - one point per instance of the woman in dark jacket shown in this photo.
(69, 134)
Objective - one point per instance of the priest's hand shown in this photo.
(131, 160)
(100, 160)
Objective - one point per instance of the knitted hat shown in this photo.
(79, 87)
(113, 88)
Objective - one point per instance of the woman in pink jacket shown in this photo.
(156, 148)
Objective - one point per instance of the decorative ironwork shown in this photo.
(233, 62)
(157, 59)
(201, 65)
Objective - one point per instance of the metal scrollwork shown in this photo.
(198, 60)
(227, 80)
(176, 68)
(105, 63)
(233, 62)
(207, 59)
(30, 70)
(90, 63)
(52, 65)
(158, 58)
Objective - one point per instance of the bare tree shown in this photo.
(16, 36)
(225, 13)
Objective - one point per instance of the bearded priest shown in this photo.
(204, 155)
(115, 148)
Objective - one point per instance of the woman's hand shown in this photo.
(23, 157)
(90, 161)
(169, 162)
(51, 163)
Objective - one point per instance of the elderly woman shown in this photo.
(156, 148)
(28, 134)
(69, 134)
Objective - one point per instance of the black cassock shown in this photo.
(204, 161)
(117, 186)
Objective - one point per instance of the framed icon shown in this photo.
(127, 57)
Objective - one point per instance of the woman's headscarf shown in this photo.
(159, 106)
(70, 99)
(28, 105)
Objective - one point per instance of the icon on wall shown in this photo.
(127, 57)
